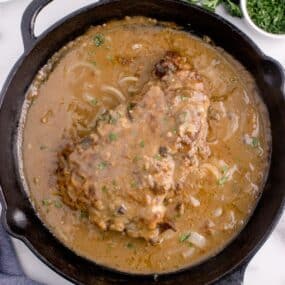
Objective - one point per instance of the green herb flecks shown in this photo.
(224, 178)
(98, 40)
(113, 137)
(183, 98)
(43, 147)
(142, 144)
(110, 58)
(46, 202)
(224, 169)
(184, 237)
(158, 157)
(57, 204)
(190, 244)
(136, 159)
(130, 245)
(113, 120)
(93, 101)
(255, 142)
(102, 165)
(104, 189)
(269, 15)
(134, 184)
(84, 214)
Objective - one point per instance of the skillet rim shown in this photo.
(51, 29)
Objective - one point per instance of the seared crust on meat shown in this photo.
(123, 173)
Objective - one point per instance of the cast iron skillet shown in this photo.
(18, 216)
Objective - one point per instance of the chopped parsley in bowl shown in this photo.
(266, 16)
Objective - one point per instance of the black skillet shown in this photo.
(19, 217)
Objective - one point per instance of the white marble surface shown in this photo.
(267, 267)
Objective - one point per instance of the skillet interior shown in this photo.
(268, 77)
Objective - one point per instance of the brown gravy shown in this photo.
(113, 63)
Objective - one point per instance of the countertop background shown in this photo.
(267, 267)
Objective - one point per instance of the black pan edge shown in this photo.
(275, 65)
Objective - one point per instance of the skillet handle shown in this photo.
(28, 21)
(234, 278)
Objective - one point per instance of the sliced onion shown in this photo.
(232, 128)
(114, 91)
(251, 167)
(136, 46)
(213, 169)
(231, 172)
(255, 131)
(197, 239)
(188, 253)
(88, 97)
(218, 212)
(127, 79)
(168, 234)
(245, 97)
(84, 64)
(194, 201)
(254, 187)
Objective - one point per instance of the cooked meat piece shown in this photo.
(140, 154)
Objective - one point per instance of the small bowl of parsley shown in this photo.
(265, 16)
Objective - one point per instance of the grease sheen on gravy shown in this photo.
(144, 148)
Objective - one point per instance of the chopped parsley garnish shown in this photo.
(131, 106)
(223, 180)
(158, 157)
(184, 237)
(114, 183)
(136, 158)
(142, 144)
(98, 40)
(104, 188)
(93, 62)
(183, 98)
(93, 101)
(255, 142)
(102, 165)
(269, 15)
(110, 58)
(42, 147)
(84, 214)
(57, 204)
(113, 120)
(46, 202)
(225, 177)
(134, 184)
(130, 245)
(113, 137)
(224, 169)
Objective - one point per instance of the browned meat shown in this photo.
(139, 154)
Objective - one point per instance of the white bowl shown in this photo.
(254, 26)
